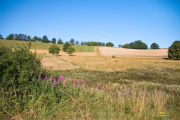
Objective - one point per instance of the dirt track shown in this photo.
(124, 52)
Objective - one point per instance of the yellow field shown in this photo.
(95, 61)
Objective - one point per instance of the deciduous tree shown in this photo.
(154, 46)
(70, 50)
(54, 49)
(54, 40)
(65, 46)
(174, 50)
(110, 44)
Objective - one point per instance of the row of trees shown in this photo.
(139, 45)
(54, 49)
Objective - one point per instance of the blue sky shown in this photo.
(116, 21)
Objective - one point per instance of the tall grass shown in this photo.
(75, 102)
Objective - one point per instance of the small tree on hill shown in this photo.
(154, 46)
(72, 41)
(10, 37)
(35, 38)
(70, 50)
(54, 40)
(174, 50)
(126, 46)
(54, 49)
(65, 46)
(110, 44)
(60, 41)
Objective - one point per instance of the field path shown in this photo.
(138, 53)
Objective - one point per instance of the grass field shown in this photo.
(44, 46)
(116, 88)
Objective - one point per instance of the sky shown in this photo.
(116, 21)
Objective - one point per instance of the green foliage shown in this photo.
(60, 41)
(18, 67)
(70, 50)
(65, 46)
(45, 39)
(110, 44)
(114, 56)
(54, 49)
(72, 41)
(54, 40)
(138, 45)
(126, 46)
(119, 45)
(35, 38)
(174, 50)
(1, 37)
(154, 46)
(10, 37)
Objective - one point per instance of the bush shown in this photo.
(114, 56)
(18, 67)
(174, 50)
(154, 46)
(66, 46)
(70, 50)
(110, 44)
(54, 49)
(126, 46)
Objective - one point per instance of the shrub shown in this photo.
(65, 46)
(154, 46)
(110, 44)
(70, 50)
(174, 50)
(114, 56)
(126, 46)
(54, 49)
(18, 67)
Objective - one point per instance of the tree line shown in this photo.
(23, 37)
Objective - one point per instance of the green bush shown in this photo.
(70, 50)
(65, 46)
(114, 56)
(18, 67)
(54, 49)
(174, 50)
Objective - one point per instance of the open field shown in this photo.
(44, 46)
(134, 53)
(137, 86)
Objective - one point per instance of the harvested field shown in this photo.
(134, 53)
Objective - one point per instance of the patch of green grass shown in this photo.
(40, 45)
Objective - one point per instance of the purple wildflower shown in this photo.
(51, 77)
(57, 82)
(59, 78)
(93, 87)
(46, 77)
(84, 85)
(67, 79)
(39, 75)
(62, 78)
(79, 81)
(108, 88)
(128, 92)
(74, 83)
(97, 88)
(54, 83)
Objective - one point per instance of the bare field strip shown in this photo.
(134, 53)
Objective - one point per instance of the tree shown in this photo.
(54, 40)
(174, 50)
(77, 42)
(72, 41)
(54, 49)
(35, 38)
(138, 44)
(29, 37)
(119, 45)
(39, 39)
(70, 50)
(60, 41)
(10, 37)
(1, 37)
(103, 44)
(126, 46)
(45, 39)
(110, 44)
(65, 46)
(154, 46)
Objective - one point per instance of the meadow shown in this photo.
(89, 86)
